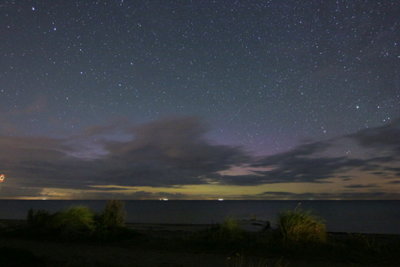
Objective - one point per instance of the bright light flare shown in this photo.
(2, 178)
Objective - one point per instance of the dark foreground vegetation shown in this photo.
(79, 237)
(79, 223)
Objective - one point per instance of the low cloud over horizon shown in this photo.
(172, 158)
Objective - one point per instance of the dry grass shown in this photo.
(298, 226)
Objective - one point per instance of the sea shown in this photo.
(380, 217)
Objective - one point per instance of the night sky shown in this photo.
(200, 99)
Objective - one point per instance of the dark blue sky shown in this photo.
(263, 75)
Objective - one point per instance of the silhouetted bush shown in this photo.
(39, 218)
(73, 221)
(300, 226)
(230, 230)
(228, 234)
(113, 215)
(81, 222)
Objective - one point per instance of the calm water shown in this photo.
(340, 216)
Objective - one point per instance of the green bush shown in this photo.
(74, 221)
(300, 226)
(81, 222)
(113, 215)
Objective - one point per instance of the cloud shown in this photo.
(327, 195)
(174, 152)
(361, 186)
(41, 162)
(301, 164)
(149, 195)
(386, 137)
(7, 191)
(316, 162)
(118, 194)
(169, 152)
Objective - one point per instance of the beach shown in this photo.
(158, 245)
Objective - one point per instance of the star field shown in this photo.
(262, 75)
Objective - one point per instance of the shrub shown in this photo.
(73, 221)
(300, 226)
(230, 225)
(113, 215)
(39, 218)
(227, 232)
